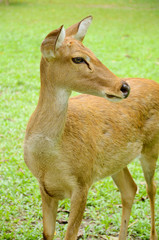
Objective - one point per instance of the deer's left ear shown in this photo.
(79, 30)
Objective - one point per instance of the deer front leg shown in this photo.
(78, 203)
(49, 206)
(148, 162)
(127, 188)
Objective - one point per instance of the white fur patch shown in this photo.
(88, 59)
(83, 27)
(62, 97)
(48, 53)
(61, 38)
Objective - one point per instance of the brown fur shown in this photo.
(69, 145)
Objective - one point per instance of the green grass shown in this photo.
(124, 35)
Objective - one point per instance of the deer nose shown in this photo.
(125, 89)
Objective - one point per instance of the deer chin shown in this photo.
(113, 98)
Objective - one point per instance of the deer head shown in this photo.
(68, 64)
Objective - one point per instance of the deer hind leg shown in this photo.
(49, 206)
(78, 203)
(127, 188)
(148, 162)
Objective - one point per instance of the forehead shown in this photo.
(73, 47)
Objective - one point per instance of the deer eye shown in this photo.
(78, 60)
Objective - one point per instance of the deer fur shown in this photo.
(71, 143)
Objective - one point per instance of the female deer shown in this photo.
(70, 144)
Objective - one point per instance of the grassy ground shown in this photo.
(124, 35)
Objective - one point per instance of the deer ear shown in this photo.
(79, 30)
(52, 43)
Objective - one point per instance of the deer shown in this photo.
(72, 142)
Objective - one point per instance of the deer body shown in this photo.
(71, 143)
(108, 135)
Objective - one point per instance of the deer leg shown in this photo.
(78, 203)
(127, 188)
(148, 163)
(49, 207)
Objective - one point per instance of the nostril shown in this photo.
(125, 90)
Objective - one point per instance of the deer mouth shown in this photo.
(113, 97)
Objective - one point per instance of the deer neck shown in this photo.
(53, 104)
(50, 115)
